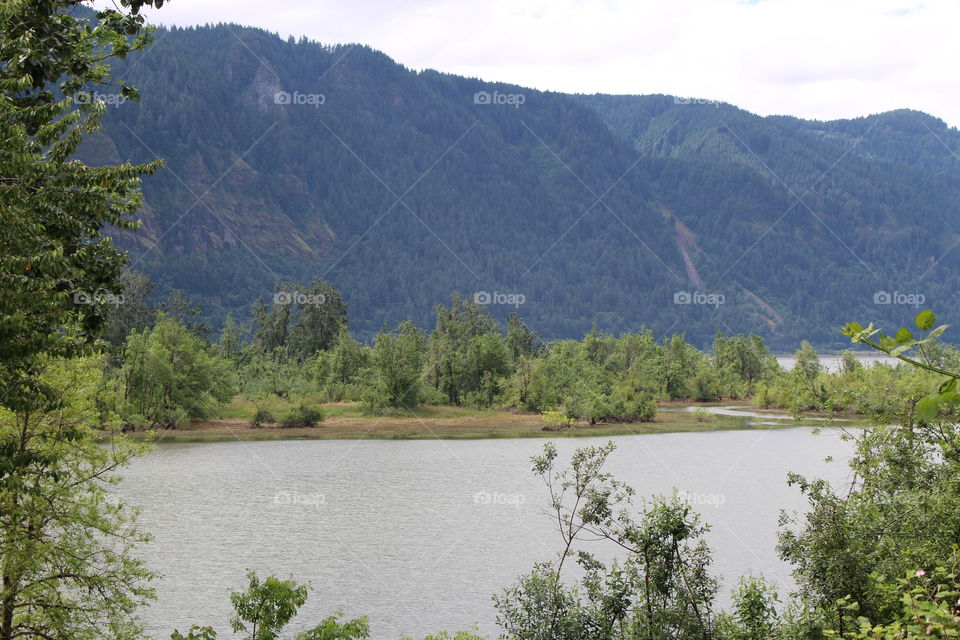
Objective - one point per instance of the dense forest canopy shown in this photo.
(289, 160)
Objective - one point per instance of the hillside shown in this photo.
(288, 160)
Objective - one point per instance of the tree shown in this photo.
(65, 548)
(522, 342)
(806, 370)
(397, 360)
(132, 312)
(450, 367)
(677, 366)
(170, 375)
(755, 615)
(55, 267)
(322, 313)
(266, 607)
(230, 343)
(301, 321)
(660, 590)
(186, 312)
(900, 513)
(343, 369)
(66, 567)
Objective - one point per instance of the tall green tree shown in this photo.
(55, 266)
(66, 567)
(452, 350)
(662, 589)
(301, 321)
(169, 375)
(397, 360)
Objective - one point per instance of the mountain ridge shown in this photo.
(401, 186)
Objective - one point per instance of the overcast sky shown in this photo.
(811, 58)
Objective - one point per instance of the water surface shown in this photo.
(417, 535)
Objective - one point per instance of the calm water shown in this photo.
(833, 363)
(418, 535)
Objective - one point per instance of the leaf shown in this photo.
(887, 343)
(928, 408)
(901, 349)
(950, 397)
(925, 320)
(936, 333)
(904, 335)
(851, 329)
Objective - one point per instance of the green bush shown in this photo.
(303, 416)
(702, 415)
(262, 417)
(644, 409)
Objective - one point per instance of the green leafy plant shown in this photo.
(900, 346)
(303, 416)
(267, 606)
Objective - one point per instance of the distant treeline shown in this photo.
(163, 369)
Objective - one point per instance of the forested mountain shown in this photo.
(291, 160)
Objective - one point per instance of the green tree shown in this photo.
(300, 322)
(522, 342)
(320, 315)
(900, 513)
(132, 312)
(677, 367)
(66, 567)
(451, 367)
(660, 590)
(55, 267)
(263, 610)
(755, 615)
(170, 375)
(186, 312)
(397, 360)
(230, 343)
(342, 371)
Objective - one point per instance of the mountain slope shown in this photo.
(289, 160)
(818, 219)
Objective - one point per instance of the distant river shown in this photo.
(833, 363)
(418, 535)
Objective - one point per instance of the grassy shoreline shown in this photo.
(345, 421)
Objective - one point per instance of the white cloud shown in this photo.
(811, 58)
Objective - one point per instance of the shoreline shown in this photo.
(494, 424)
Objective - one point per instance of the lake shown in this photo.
(832, 364)
(418, 535)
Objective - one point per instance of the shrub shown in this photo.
(642, 408)
(702, 415)
(261, 417)
(555, 420)
(303, 416)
